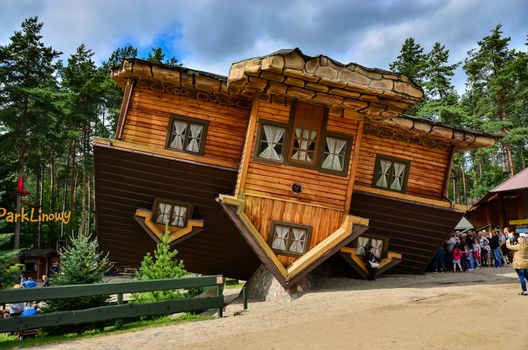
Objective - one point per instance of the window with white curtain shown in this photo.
(175, 214)
(289, 239)
(379, 244)
(334, 155)
(391, 173)
(271, 142)
(187, 134)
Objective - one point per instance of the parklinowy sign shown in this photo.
(519, 222)
(34, 216)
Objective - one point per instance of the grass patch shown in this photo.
(10, 341)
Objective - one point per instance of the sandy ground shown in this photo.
(479, 310)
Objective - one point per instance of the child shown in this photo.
(486, 256)
(457, 255)
(476, 253)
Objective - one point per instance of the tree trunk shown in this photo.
(40, 200)
(83, 180)
(464, 184)
(510, 160)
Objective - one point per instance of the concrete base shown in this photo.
(263, 286)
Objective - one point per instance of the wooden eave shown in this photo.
(351, 228)
(428, 133)
(320, 79)
(179, 81)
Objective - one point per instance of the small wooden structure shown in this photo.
(284, 162)
(505, 205)
(37, 262)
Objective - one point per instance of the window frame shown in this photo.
(155, 206)
(348, 153)
(290, 225)
(377, 167)
(291, 140)
(189, 121)
(386, 242)
(285, 143)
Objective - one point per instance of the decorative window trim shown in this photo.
(348, 153)
(285, 143)
(189, 120)
(172, 203)
(377, 165)
(385, 248)
(289, 241)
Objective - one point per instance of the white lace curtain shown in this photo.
(298, 240)
(378, 247)
(281, 236)
(305, 138)
(362, 242)
(383, 180)
(397, 183)
(335, 158)
(178, 216)
(163, 213)
(195, 137)
(272, 136)
(178, 134)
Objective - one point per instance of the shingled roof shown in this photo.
(516, 182)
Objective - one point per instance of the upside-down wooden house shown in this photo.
(287, 161)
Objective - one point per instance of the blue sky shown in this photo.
(210, 35)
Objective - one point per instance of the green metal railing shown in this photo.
(111, 312)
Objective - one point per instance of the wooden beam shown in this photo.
(124, 108)
(410, 198)
(165, 153)
(144, 218)
(354, 160)
(247, 153)
(451, 160)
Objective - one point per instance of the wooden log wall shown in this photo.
(149, 114)
(262, 211)
(427, 171)
(274, 180)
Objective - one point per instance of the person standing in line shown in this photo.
(457, 255)
(495, 248)
(477, 253)
(519, 247)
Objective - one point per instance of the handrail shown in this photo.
(110, 312)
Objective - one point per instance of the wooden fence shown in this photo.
(110, 312)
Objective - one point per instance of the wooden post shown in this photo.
(124, 108)
(244, 298)
(354, 163)
(219, 292)
(449, 169)
(120, 322)
(246, 153)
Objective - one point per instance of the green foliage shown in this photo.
(9, 271)
(162, 265)
(80, 263)
(158, 56)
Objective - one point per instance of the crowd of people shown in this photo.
(25, 309)
(472, 250)
(468, 251)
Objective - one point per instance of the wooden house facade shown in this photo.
(287, 161)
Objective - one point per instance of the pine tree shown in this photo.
(411, 62)
(491, 83)
(158, 56)
(27, 95)
(80, 263)
(162, 265)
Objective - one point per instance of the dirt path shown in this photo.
(436, 311)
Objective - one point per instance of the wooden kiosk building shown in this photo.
(505, 205)
(287, 161)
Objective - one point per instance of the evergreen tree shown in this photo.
(411, 62)
(80, 263)
(27, 95)
(162, 265)
(158, 56)
(438, 73)
(491, 80)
